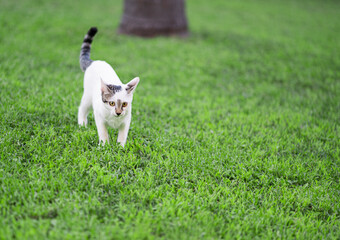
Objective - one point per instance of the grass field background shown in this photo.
(235, 130)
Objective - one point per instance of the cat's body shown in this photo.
(109, 98)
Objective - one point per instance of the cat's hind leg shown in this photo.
(83, 111)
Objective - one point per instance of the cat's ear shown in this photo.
(106, 91)
(104, 88)
(131, 86)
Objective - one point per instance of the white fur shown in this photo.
(104, 114)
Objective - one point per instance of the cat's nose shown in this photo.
(118, 113)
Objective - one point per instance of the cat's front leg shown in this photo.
(123, 133)
(101, 128)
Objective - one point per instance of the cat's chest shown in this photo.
(115, 122)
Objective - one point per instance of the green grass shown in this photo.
(235, 130)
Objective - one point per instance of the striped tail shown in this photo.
(84, 58)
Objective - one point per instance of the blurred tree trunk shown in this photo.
(149, 18)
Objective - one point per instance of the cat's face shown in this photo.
(117, 99)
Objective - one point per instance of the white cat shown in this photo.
(106, 94)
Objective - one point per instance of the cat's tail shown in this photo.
(84, 58)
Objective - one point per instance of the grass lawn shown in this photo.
(235, 130)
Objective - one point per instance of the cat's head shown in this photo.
(118, 98)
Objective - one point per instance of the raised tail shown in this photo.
(84, 58)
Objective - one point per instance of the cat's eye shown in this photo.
(124, 104)
(112, 104)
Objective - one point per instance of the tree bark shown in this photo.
(150, 18)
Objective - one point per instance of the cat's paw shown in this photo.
(102, 142)
(82, 122)
(122, 144)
